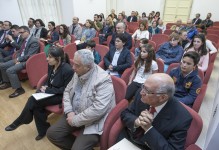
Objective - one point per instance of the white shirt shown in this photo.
(163, 28)
(210, 47)
(141, 76)
(114, 62)
(141, 34)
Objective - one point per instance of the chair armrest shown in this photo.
(42, 81)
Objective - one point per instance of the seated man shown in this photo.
(4, 32)
(91, 46)
(197, 21)
(120, 28)
(88, 98)
(156, 120)
(177, 26)
(14, 42)
(207, 22)
(191, 29)
(9, 69)
(118, 58)
(186, 79)
(98, 26)
(75, 29)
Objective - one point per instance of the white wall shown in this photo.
(205, 6)
(9, 10)
(67, 11)
(139, 5)
(85, 9)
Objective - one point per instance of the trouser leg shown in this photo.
(4, 67)
(60, 134)
(131, 90)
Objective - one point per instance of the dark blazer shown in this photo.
(43, 33)
(124, 60)
(17, 44)
(60, 80)
(134, 19)
(199, 21)
(32, 47)
(3, 45)
(169, 129)
(128, 44)
(54, 37)
(157, 30)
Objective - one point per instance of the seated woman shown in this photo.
(138, 49)
(107, 30)
(40, 30)
(198, 44)
(186, 79)
(170, 52)
(52, 37)
(154, 29)
(59, 74)
(142, 32)
(145, 65)
(88, 33)
(209, 45)
(118, 58)
(64, 36)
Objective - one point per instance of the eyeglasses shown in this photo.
(22, 32)
(147, 92)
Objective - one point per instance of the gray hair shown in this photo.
(123, 25)
(166, 88)
(87, 57)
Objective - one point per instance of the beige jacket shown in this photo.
(97, 100)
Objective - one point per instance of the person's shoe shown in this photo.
(17, 92)
(39, 137)
(11, 127)
(5, 86)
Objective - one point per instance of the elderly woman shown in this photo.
(59, 75)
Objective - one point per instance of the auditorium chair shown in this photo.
(70, 49)
(102, 50)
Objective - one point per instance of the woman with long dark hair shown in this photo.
(145, 65)
(59, 74)
(64, 36)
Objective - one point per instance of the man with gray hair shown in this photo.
(75, 29)
(156, 119)
(120, 28)
(88, 99)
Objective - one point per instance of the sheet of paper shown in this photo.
(77, 42)
(39, 96)
(124, 144)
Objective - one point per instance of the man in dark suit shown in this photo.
(156, 120)
(207, 22)
(132, 18)
(13, 43)
(4, 32)
(118, 58)
(197, 21)
(120, 28)
(9, 69)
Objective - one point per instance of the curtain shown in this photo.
(47, 10)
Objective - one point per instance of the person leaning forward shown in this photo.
(88, 98)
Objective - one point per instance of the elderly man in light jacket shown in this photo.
(88, 99)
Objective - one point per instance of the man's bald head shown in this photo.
(163, 83)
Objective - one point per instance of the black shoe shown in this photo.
(17, 92)
(39, 137)
(5, 86)
(11, 127)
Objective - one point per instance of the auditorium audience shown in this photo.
(60, 74)
(150, 121)
(170, 52)
(13, 43)
(118, 58)
(144, 66)
(9, 69)
(88, 99)
(75, 28)
(198, 44)
(64, 36)
(186, 79)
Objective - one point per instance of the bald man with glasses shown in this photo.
(156, 119)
